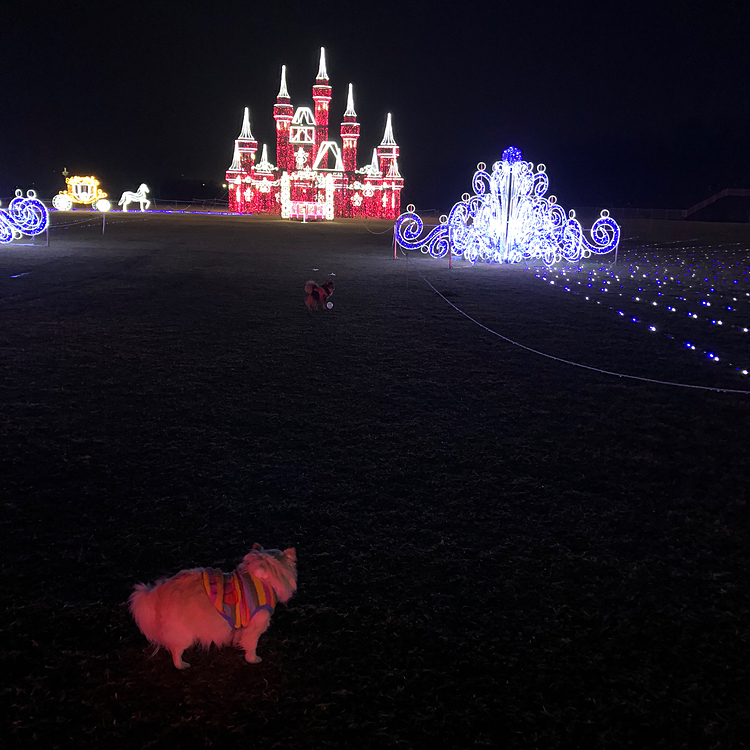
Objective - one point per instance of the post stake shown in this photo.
(395, 257)
(104, 220)
(450, 256)
(406, 258)
(47, 235)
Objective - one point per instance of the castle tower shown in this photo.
(388, 149)
(392, 181)
(234, 180)
(283, 113)
(235, 166)
(246, 144)
(322, 98)
(264, 165)
(350, 134)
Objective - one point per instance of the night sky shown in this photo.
(627, 103)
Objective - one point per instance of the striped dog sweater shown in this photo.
(238, 596)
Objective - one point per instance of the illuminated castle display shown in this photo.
(314, 176)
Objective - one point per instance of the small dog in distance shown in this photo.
(318, 295)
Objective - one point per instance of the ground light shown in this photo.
(695, 295)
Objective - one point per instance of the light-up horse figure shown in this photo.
(129, 197)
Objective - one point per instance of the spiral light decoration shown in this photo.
(24, 216)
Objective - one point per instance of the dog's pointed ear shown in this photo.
(257, 546)
(291, 554)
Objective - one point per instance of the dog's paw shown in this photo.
(182, 665)
(253, 659)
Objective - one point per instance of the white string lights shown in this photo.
(141, 197)
(307, 152)
(508, 220)
(620, 375)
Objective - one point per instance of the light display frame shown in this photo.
(509, 219)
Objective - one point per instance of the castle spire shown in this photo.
(322, 99)
(350, 104)
(283, 93)
(392, 181)
(322, 73)
(236, 166)
(283, 113)
(264, 165)
(245, 132)
(388, 135)
(350, 134)
(374, 166)
(393, 170)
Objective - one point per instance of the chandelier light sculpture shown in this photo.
(24, 216)
(509, 219)
(314, 176)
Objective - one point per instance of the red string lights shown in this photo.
(312, 170)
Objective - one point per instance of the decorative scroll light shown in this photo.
(83, 190)
(141, 197)
(509, 219)
(27, 216)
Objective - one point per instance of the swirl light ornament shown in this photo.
(24, 216)
(509, 219)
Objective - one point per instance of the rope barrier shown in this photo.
(72, 224)
(390, 229)
(567, 361)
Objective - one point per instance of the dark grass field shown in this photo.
(495, 549)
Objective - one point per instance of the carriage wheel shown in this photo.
(62, 202)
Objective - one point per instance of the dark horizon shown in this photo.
(625, 104)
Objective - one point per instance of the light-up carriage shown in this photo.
(84, 191)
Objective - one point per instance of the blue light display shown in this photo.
(509, 219)
(512, 155)
(658, 287)
(27, 216)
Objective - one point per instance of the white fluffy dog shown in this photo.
(206, 606)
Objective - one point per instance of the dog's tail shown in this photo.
(309, 287)
(142, 604)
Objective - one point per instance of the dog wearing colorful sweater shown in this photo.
(205, 606)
